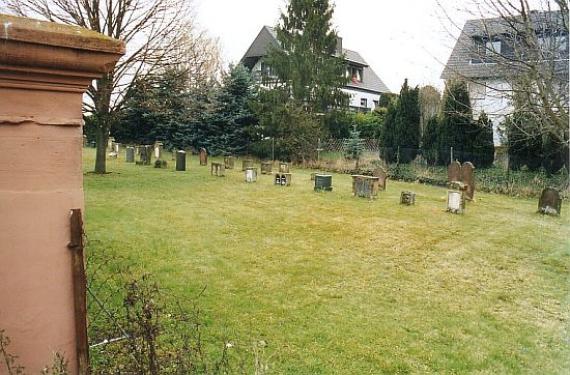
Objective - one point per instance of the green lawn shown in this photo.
(340, 285)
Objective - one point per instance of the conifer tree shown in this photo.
(483, 145)
(408, 123)
(430, 141)
(456, 128)
(354, 146)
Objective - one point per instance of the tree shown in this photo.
(483, 146)
(430, 101)
(354, 146)
(306, 63)
(156, 33)
(232, 122)
(388, 135)
(533, 60)
(430, 141)
(456, 128)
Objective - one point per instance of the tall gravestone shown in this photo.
(180, 160)
(130, 154)
(203, 156)
(382, 177)
(45, 68)
(468, 179)
(454, 172)
(229, 162)
(158, 150)
(550, 202)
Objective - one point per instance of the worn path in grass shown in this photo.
(340, 285)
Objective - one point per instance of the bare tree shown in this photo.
(430, 101)
(153, 30)
(524, 48)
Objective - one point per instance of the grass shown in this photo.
(340, 285)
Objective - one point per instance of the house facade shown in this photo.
(489, 55)
(364, 87)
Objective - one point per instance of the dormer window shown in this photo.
(486, 49)
(354, 74)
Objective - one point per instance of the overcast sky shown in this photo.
(399, 39)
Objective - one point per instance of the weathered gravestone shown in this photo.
(145, 154)
(158, 150)
(323, 182)
(454, 172)
(203, 156)
(130, 154)
(550, 202)
(180, 160)
(251, 175)
(408, 198)
(283, 167)
(84, 140)
(246, 163)
(110, 143)
(283, 179)
(365, 186)
(455, 202)
(266, 167)
(382, 177)
(229, 162)
(468, 179)
(217, 169)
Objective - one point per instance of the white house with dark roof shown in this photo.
(364, 87)
(485, 42)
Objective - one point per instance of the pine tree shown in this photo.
(354, 146)
(388, 135)
(408, 123)
(456, 129)
(232, 122)
(306, 62)
(430, 141)
(483, 145)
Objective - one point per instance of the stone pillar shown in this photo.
(44, 70)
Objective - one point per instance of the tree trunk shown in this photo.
(102, 138)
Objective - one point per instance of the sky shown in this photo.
(398, 38)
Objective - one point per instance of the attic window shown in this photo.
(486, 49)
(354, 73)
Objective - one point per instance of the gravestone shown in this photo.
(145, 154)
(408, 198)
(217, 169)
(158, 150)
(117, 148)
(160, 163)
(251, 175)
(455, 202)
(365, 186)
(203, 156)
(246, 163)
(84, 140)
(283, 167)
(180, 160)
(550, 202)
(229, 162)
(468, 179)
(323, 182)
(266, 167)
(110, 143)
(130, 154)
(454, 172)
(283, 179)
(382, 177)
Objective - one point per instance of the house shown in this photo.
(364, 87)
(490, 54)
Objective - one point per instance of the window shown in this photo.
(364, 102)
(376, 102)
(354, 73)
(486, 49)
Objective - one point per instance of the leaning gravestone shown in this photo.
(468, 179)
(130, 155)
(203, 156)
(550, 202)
(454, 172)
(382, 177)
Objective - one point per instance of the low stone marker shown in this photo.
(455, 202)
(453, 172)
(323, 182)
(203, 156)
(266, 167)
(130, 154)
(246, 163)
(218, 169)
(180, 160)
(145, 153)
(283, 179)
(251, 175)
(468, 179)
(550, 202)
(408, 198)
(382, 177)
(365, 186)
(283, 167)
(229, 162)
